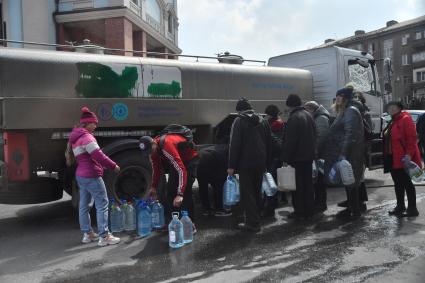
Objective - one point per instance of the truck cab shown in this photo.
(333, 68)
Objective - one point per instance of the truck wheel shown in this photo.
(133, 179)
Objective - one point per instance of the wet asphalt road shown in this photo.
(40, 243)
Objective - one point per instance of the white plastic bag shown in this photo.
(286, 178)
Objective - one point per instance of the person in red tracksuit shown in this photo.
(180, 163)
(400, 142)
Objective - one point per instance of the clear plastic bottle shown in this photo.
(346, 171)
(230, 191)
(116, 218)
(158, 219)
(187, 227)
(175, 232)
(130, 216)
(144, 220)
(334, 175)
(269, 185)
(414, 171)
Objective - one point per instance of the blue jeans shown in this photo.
(93, 188)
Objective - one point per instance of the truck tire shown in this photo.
(133, 179)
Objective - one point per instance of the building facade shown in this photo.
(28, 20)
(404, 44)
(141, 25)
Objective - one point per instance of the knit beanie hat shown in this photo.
(243, 105)
(87, 116)
(346, 92)
(145, 144)
(272, 110)
(293, 100)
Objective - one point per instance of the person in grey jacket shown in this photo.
(321, 119)
(346, 141)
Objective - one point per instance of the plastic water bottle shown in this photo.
(116, 218)
(175, 232)
(346, 171)
(230, 193)
(414, 171)
(144, 221)
(320, 164)
(237, 190)
(187, 227)
(314, 170)
(269, 185)
(130, 217)
(334, 176)
(158, 219)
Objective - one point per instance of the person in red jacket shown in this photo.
(174, 157)
(400, 143)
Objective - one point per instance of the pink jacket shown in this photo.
(90, 158)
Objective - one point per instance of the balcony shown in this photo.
(154, 23)
(418, 44)
(78, 5)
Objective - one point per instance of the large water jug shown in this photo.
(230, 191)
(130, 217)
(144, 220)
(334, 176)
(187, 227)
(413, 170)
(158, 219)
(286, 179)
(116, 218)
(346, 171)
(269, 186)
(175, 232)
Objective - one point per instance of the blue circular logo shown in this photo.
(120, 111)
(104, 111)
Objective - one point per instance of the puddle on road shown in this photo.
(367, 257)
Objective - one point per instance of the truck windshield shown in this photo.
(362, 77)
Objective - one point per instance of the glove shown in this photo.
(341, 157)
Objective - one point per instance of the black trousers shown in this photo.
(216, 180)
(403, 183)
(250, 189)
(320, 194)
(353, 199)
(303, 197)
(171, 193)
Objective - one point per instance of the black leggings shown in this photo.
(403, 183)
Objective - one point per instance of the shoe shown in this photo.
(89, 237)
(343, 204)
(344, 213)
(269, 213)
(108, 240)
(223, 213)
(249, 228)
(320, 209)
(363, 207)
(410, 213)
(397, 211)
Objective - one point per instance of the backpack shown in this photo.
(69, 155)
(175, 129)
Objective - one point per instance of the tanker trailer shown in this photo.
(42, 93)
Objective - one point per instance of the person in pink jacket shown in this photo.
(91, 162)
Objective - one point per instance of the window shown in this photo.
(404, 39)
(136, 2)
(417, 57)
(418, 35)
(371, 48)
(388, 48)
(404, 59)
(420, 76)
(406, 80)
(153, 9)
(170, 23)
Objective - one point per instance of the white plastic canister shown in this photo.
(286, 178)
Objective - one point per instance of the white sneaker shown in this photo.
(108, 240)
(89, 237)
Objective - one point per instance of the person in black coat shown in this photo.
(298, 150)
(250, 156)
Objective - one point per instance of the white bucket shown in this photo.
(286, 179)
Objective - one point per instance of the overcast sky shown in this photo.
(259, 29)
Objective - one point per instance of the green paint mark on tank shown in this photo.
(98, 80)
(165, 90)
